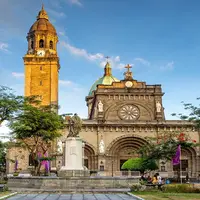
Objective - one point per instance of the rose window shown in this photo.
(129, 112)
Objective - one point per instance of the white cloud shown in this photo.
(102, 63)
(4, 132)
(142, 61)
(121, 66)
(65, 82)
(62, 33)
(55, 13)
(82, 52)
(55, 4)
(58, 4)
(75, 2)
(4, 47)
(17, 75)
(117, 59)
(97, 57)
(168, 66)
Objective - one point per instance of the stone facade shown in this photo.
(122, 140)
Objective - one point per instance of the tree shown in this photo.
(163, 147)
(9, 103)
(3, 147)
(140, 164)
(193, 116)
(35, 127)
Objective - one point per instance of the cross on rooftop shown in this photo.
(128, 67)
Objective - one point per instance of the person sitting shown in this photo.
(154, 179)
(149, 180)
(142, 178)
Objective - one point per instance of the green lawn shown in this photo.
(167, 196)
(5, 193)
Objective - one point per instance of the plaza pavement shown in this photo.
(94, 196)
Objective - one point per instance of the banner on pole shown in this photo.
(176, 158)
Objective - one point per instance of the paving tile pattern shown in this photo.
(71, 197)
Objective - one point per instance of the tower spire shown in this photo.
(42, 14)
(107, 69)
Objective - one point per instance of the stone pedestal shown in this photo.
(74, 165)
(100, 115)
(159, 116)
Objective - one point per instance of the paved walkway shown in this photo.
(71, 197)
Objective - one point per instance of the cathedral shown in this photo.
(121, 113)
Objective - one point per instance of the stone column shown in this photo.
(83, 154)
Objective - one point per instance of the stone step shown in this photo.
(101, 190)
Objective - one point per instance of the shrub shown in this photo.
(180, 188)
(5, 188)
(138, 187)
(140, 164)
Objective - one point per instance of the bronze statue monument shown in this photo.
(75, 124)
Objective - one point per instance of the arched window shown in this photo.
(41, 43)
(31, 44)
(51, 44)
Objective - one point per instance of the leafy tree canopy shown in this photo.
(164, 146)
(36, 126)
(194, 113)
(3, 147)
(9, 103)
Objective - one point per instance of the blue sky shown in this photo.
(160, 38)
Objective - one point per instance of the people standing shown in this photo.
(159, 179)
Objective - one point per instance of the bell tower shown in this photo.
(41, 61)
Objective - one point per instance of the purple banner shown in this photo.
(176, 158)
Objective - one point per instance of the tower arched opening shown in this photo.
(41, 43)
(51, 44)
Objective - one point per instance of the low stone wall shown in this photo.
(70, 184)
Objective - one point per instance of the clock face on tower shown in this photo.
(40, 52)
(128, 84)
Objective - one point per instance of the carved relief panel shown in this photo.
(130, 111)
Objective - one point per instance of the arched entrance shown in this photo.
(188, 162)
(89, 157)
(123, 148)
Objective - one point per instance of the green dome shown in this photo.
(105, 80)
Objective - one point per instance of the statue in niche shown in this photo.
(75, 124)
(59, 146)
(158, 107)
(100, 106)
(101, 146)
